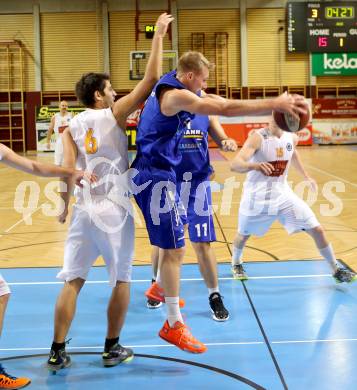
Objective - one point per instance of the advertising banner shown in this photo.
(131, 128)
(43, 120)
(334, 121)
(334, 64)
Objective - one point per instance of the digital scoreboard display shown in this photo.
(322, 27)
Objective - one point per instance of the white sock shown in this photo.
(158, 278)
(237, 255)
(213, 290)
(173, 310)
(328, 254)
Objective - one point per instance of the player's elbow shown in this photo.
(226, 108)
(151, 79)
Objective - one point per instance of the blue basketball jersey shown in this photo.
(158, 135)
(194, 149)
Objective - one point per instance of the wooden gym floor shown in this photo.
(38, 241)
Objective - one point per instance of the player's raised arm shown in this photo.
(129, 103)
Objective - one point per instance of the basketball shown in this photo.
(287, 122)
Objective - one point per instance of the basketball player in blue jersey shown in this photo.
(266, 157)
(192, 175)
(169, 109)
(10, 158)
(101, 224)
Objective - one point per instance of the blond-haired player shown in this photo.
(166, 116)
(101, 224)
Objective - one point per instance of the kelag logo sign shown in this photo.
(340, 64)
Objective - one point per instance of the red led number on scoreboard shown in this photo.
(322, 42)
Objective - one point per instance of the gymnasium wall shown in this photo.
(269, 64)
(71, 39)
(122, 40)
(210, 21)
(70, 45)
(20, 27)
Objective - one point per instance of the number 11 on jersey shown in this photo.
(201, 228)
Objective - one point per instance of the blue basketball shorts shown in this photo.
(195, 209)
(158, 202)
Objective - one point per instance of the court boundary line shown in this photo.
(331, 175)
(227, 344)
(148, 264)
(182, 280)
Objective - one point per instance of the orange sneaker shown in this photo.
(156, 293)
(180, 336)
(10, 382)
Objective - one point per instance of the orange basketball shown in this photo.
(287, 122)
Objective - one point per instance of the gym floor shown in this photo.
(291, 326)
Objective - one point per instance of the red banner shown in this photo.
(334, 108)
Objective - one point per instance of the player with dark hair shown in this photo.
(101, 224)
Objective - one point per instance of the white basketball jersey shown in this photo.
(102, 148)
(259, 188)
(61, 122)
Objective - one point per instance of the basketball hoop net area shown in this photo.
(139, 59)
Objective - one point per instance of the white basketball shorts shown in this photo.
(4, 287)
(89, 237)
(293, 213)
(58, 159)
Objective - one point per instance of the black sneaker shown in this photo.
(153, 304)
(238, 272)
(58, 360)
(343, 275)
(219, 312)
(117, 354)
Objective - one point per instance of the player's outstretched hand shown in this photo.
(162, 24)
(265, 168)
(229, 145)
(291, 104)
(84, 175)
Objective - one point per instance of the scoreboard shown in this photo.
(329, 27)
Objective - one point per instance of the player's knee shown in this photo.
(173, 254)
(4, 298)
(202, 247)
(75, 284)
(241, 239)
(318, 230)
